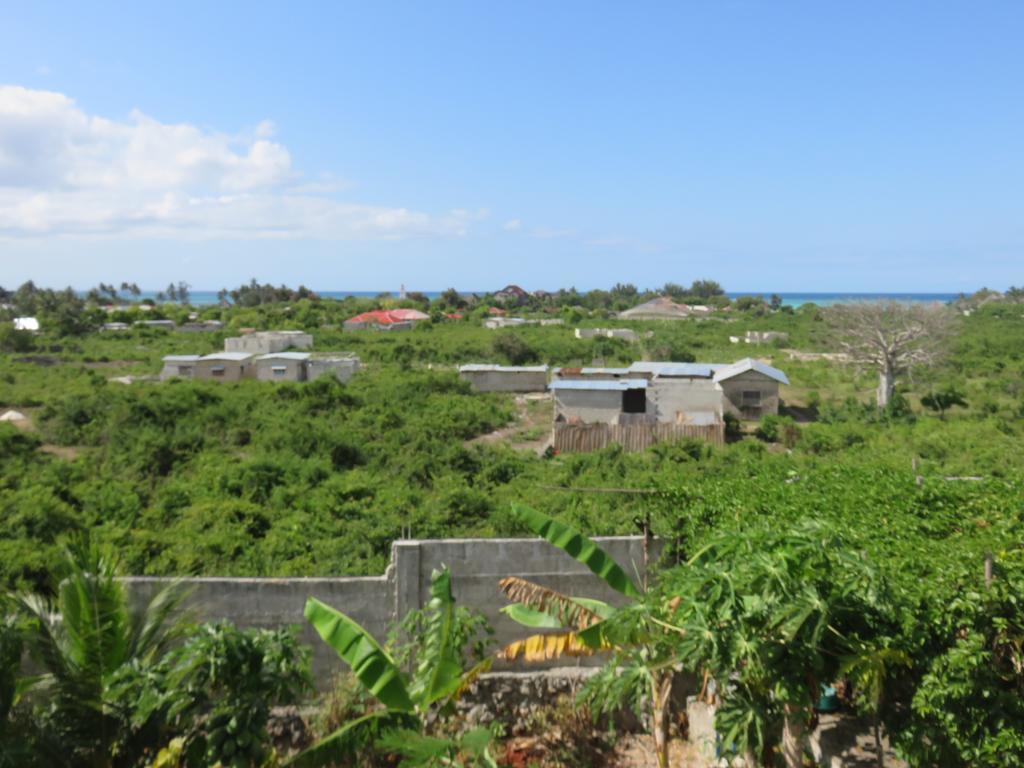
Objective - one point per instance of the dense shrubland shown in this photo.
(872, 524)
(190, 477)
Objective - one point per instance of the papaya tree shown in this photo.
(579, 626)
(769, 613)
(398, 725)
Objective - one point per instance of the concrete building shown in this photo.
(281, 366)
(179, 367)
(341, 365)
(224, 366)
(750, 388)
(626, 334)
(268, 342)
(601, 401)
(204, 326)
(167, 325)
(506, 322)
(672, 393)
(505, 378)
(764, 337)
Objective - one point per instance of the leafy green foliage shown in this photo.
(219, 687)
(440, 676)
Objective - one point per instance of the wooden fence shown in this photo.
(580, 438)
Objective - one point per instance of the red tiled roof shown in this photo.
(388, 316)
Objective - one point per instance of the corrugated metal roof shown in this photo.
(470, 367)
(605, 371)
(237, 357)
(749, 364)
(285, 356)
(180, 358)
(689, 370)
(599, 384)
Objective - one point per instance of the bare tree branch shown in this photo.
(892, 337)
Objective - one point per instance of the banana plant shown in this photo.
(580, 626)
(397, 727)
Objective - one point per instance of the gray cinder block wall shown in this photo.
(377, 602)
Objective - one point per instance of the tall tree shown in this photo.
(892, 337)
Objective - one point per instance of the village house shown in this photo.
(281, 366)
(26, 324)
(268, 342)
(750, 388)
(224, 366)
(505, 378)
(179, 367)
(512, 294)
(115, 327)
(342, 365)
(626, 334)
(385, 320)
(167, 325)
(661, 308)
(666, 393)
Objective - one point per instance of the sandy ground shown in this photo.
(533, 415)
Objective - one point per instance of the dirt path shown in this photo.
(531, 428)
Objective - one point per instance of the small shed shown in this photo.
(179, 367)
(505, 378)
(26, 324)
(341, 366)
(224, 366)
(600, 401)
(750, 387)
(282, 366)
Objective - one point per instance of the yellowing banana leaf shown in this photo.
(369, 662)
(545, 647)
(579, 547)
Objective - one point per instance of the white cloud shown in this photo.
(513, 225)
(64, 172)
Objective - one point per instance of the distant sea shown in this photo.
(788, 299)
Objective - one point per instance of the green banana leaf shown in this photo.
(347, 741)
(369, 662)
(439, 673)
(579, 547)
(529, 617)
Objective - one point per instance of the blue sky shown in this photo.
(769, 145)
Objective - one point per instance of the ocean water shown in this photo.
(788, 299)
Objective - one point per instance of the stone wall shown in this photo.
(377, 601)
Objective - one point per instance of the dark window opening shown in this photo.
(634, 401)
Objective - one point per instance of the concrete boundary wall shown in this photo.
(377, 602)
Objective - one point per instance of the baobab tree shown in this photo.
(892, 337)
